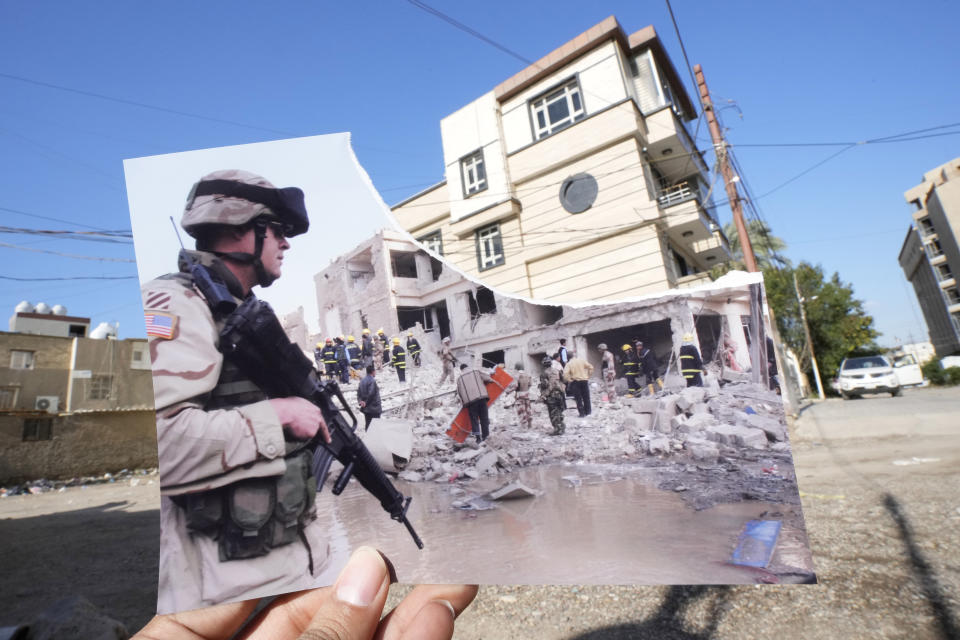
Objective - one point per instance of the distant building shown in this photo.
(45, 320)
(576, 179)
(390, 282)
(930, 255)
(74, 406)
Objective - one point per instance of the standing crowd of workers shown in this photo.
(340, 358)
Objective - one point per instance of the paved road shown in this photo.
(879, 478)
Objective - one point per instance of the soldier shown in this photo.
(448, 360)
(366, 348)
(650, 367)
(522, 401)
(329, 354)
(690, 364)
(413, 348)
(608, 370)
(629, 360)
(222, 443)
(385, 345)
(553, 395)
(398, 360)
(377, 346)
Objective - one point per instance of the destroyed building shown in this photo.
(388, 281)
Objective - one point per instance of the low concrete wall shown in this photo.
(81, 445)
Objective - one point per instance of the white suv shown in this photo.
(871, 374)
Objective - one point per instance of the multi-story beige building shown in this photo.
(73, 405)
(576, 179)
(390, 282)
(930, 256)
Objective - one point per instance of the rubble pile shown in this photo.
(737, 431)
(43, 485)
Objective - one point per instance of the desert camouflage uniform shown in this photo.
(552, 393)
(202, 449)
(609, 367)
(377, 347)
(447, 358)
(524, 413)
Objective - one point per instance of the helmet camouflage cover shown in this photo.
(235, 197)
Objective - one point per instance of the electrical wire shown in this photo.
(68, 278)
(142, 105)
(34, 215)
(65, 255)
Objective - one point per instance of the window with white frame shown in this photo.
(473, 172)
(433, 242)
(489, 247)
(21, 359)
(100, 387)
(8, 397)
(557, 109)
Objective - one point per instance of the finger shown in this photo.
(325, 429)
(349, 610)
(402, 621)
(211, 623)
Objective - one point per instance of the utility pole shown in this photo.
(806, 330)
(720, 149)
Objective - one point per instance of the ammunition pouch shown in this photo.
(252, 516)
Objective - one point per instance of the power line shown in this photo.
(95, 236)
(65, 255)
(476, 34)
(142, 105)
(69, 278)
(34, 215)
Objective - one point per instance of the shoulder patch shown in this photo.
(161, 324)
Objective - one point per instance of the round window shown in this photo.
(578, 192)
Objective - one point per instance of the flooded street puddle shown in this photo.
(590, 524)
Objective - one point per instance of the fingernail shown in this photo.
(360, 580)
(446, 603)
(390, 569)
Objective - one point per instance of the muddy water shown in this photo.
(608, 526)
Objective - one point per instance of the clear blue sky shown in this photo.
(388, 72)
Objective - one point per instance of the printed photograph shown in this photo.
(323, 381)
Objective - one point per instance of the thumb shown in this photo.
(353, 611)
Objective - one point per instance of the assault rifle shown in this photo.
(253, 339)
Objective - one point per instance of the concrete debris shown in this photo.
(44, 485)
(706, 427)
(513, 491)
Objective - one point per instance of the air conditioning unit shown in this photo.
(50, 404)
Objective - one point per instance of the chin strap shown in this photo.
(264, 279)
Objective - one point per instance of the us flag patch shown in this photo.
(160, 325)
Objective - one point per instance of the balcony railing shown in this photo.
(681, 192)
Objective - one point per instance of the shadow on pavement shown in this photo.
(668, 621)
(106, 554)
(923, 572)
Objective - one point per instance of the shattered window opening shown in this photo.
(491, 359)
(481, 302)
(404, 264)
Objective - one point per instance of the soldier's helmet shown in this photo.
(547, 360)
(234, 197)
(446, 340)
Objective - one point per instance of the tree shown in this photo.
(839, 326)
(767, 248)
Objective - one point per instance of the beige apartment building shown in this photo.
(72, 405)
(930, 256)
(576, 179)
